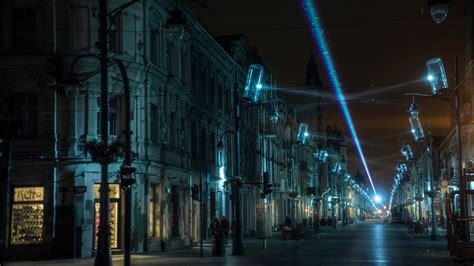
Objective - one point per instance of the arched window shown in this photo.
(204, 150)
(24, 112)
(185, 67)
(170, 57)
(194, 142)
(155, 47)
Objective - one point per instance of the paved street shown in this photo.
(362, 244)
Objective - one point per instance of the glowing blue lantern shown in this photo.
(337, 168)
(436, 75)
(404, 167)
(407, 152)
(254, 83)
(322, 155)
(302, 133)
(347, 177)
(416, 128)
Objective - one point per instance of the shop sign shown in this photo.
(26, 194)
(114, 191)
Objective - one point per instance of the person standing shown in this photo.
(225, 226)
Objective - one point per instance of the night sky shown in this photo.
(379, 48)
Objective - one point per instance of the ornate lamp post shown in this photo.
(440, 90)
(253, 87)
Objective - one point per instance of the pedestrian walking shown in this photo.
(323, 223)
(225, 226)
(214, 228)
(218, 247)
(329, 223)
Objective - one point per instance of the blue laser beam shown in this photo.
(318, 35)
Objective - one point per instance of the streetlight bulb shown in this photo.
(259, 86)
(430, 78)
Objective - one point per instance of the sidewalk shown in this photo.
(187, 256)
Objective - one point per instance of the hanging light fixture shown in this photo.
(302, 133)
(274, 116)
(254, 85)
(176, 24)
(320, 155)
(439, 9)
(407, 152)
(436, 75)
(336, 168)
(416, 128)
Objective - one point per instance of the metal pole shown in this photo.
(292, 178)
(127, 170)
(201, 217)
(5, 179)
(238, 241)
(412, 193)
(103, 256)
(461, 177)
(434, 230)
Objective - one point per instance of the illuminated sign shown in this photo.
(25, 194)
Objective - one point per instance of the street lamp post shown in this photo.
(104, 153)
(251, 94)
(440, 90)
(432, 192)
(103, 256)
(418, 134)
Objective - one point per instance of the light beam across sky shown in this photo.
(317, 32)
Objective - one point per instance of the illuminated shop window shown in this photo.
(114, 197)
(27, 216)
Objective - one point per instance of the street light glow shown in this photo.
(430, 78)
(377, 199)
(317, 32)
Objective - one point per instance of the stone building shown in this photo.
(183, 93)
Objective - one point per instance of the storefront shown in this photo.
(114, 212)
(27, 212)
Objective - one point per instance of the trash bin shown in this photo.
(218, 244)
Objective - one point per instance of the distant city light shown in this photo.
(259, 86)
(318, 35)
(377, 199)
